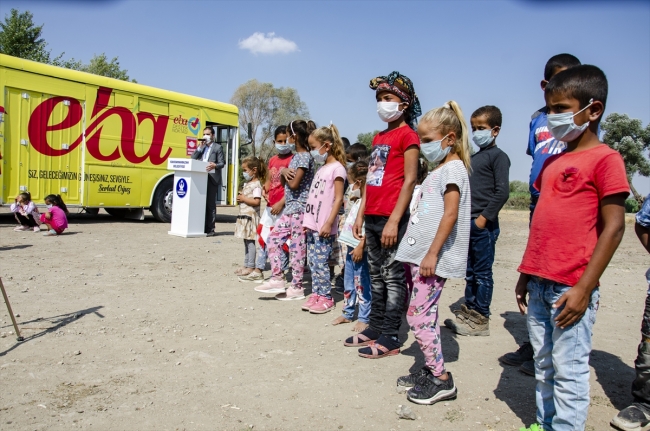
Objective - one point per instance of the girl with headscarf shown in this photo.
(392, 176)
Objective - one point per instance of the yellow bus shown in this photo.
(101, 142)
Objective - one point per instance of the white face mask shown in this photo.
(433, 150)
(482, 138)
(49, 205)
(389, 111)
(562, 126)
(207, 138)
(354, 194)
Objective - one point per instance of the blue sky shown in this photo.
(475, 52)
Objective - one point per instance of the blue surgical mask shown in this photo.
(433, 150)
(284, 148)
(247, 176)
(318, 157)
(482, 138)
(562, 126)
(349, 164)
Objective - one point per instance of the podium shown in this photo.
(188, 204)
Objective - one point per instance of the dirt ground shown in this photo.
(127, 327)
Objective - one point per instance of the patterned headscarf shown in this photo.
(402, 87)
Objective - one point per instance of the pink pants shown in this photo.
(289, 226)
(422, 317)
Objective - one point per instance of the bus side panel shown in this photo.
(29, 169)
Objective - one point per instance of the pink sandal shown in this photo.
(375, 349)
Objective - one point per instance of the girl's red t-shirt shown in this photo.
(386, 169)
(276, 189)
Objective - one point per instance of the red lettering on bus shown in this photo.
(39, 125)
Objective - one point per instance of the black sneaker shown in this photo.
(339, 283)
(528, 368)
(431, 389)
(634, 417)
(523, 354)
(413, 378)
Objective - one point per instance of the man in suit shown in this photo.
(211, 152)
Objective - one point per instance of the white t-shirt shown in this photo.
(425, 219)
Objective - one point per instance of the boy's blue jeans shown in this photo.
(357, 287)
(561, 357)
(480, 284)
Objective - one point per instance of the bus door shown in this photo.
(29, 166)
(224, 137)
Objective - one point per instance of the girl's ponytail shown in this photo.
(331, 134)
(462, 146)
(57, 200)
(300, 130)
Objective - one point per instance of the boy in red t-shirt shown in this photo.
(577, 225)
(273, 192)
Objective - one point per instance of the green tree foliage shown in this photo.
(20, 37)
(627, 136)
(517, 186)
(366, 139)
(265, 108)
(99, 65)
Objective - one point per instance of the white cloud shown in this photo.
(260, 43)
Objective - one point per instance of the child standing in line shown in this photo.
(273, 192)
(435, 244)
(249, 200)
(541, 146)
(636, 416)
(321, 213)
(392, 173)
(26, 212)
(55, 217)
(357, 277)
(577, 225)
(490, 184)
(297, 180)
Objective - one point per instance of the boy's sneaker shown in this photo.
(313, 298)
(271, 286)
(322, 305)
(21, 228)
(469, 323)
(413, 378)
(533, 427)
(528, 368)
(291, 295)
(633, 418)
(523, 354)
(431, 389)
(255, 276)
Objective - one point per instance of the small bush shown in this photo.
(518, 201)
(631, 206)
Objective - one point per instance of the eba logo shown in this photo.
(181, 188)
(194, 124)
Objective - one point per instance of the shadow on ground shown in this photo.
(614, 376)
(43, 327)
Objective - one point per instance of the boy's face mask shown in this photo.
(482, 138)
(562, 126)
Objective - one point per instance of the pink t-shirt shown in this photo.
(59, 221)
(321, 197)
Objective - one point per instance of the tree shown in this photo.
(21, 38)
(366, 139)
(627, 136)
(266, 108)
(517, 186)
(99, 65)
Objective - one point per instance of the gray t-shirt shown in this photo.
(424, 222)
(295, 200)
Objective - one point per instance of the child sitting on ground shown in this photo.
(55, 218)
(26, 212)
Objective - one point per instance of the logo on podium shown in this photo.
(181, 188)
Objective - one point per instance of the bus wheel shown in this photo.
(92, 211)
(161, 207)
